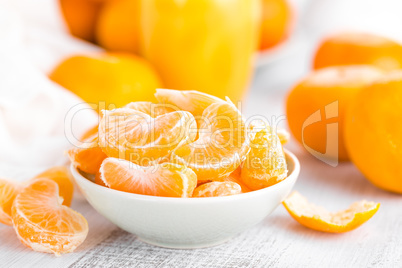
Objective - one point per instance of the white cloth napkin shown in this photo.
(33, 108)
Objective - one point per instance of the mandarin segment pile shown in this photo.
(187, 138)
(38, 210)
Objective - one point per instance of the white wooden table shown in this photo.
(278, 241)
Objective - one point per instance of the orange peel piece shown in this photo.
(319, 219)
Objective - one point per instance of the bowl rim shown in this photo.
(79, 178)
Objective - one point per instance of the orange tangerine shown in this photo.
(191, 101)
(235, 177)
(136, 136)
(152, 109)
(265, 165)
(166, 179)
(81, 17)
(316, 107)
(42, 223)
(283, 135)
(276, 22)
(217, 188)
(221, 144)
(88, 156)
(98, 180)
(351, 48)
(107, 78)
(62, 177)
(373, 132)
(117, 28)
(8, 191)
(318, 218)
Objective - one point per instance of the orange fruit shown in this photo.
(115, 79)
(88, 156)
(265, 165)
(132, 135)
(98, 180)
(283, 135)
(81, 17)
(316, 107)
(152, 109)
(166, 179)
(221, 144)
(318, 218)
(191, 101)
(235, 177)
(351, 48)
(62, 177)
(217, 188)
(373, 132)
(117, 28)
(276, 22)
(42, 223)
(8, 191)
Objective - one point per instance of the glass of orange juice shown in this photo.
(205, 45)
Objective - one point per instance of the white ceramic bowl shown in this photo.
(187, 222)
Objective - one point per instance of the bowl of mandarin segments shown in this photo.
(180, 182)
(187, 222)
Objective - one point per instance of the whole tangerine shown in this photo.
(373, 132)
(316, 107)
(350, 48)
(115, 79)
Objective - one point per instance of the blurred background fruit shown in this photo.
(321, 99)
(202, 45)
(81, 17)
(347, 48)
(276, 22)
(118, 26)
(373, 132)
(113, 78)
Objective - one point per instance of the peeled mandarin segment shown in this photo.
(43, 224)
(350, 48)
(191, 101)
(62, 177)
(167, 179)
(152, 109)
(98, 180)
(221, 145)
(235, 176)
(8, 191)
(135, 136)
(88, 156)
(265, 165)
(283, 136)
(318, 218)
(217, 188)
